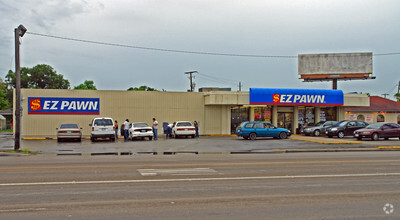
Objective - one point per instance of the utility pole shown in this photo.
(192, 84)
(398, 92)
(398, 88)
(240, 86)
(18, 32)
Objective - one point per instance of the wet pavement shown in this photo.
(204, 144)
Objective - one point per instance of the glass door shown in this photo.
(239, 115)
(285, 120)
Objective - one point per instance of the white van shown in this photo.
(102, 128)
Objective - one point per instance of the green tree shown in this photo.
(41, 76)
(142, 88)
(87, 85)
(397, 96)
(4, 103)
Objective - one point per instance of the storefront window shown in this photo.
(328, 114)
(361, 118)
(301, 117)
(380, 118)
(262, 114)
(239, 114)
(309, 118)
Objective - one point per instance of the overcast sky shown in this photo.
(268, 27)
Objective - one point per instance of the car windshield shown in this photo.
(241, 125)
(342, 123)
(320, 123)
(183, 124)
(373, 126)
(63, 126)
(140, 125)
(103, 122)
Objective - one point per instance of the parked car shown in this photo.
(69, 131)
(183, 128)
(319, 128)
(140, 130)
(378, 130)
(254, 129)
(345, 128)
(102, 128)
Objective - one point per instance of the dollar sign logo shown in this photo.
(275, 98)
(35, 105)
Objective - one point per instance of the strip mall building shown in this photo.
(218, 112)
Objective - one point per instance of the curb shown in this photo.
(273, 151)
(324, 142)
(389, 147)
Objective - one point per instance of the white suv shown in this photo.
(102, 128)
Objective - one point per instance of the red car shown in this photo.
(378, 130)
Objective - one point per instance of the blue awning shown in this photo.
(262, 96)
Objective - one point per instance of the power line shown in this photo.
(180, 51)
(390, 91)
(218, 78)
(160, 49)
(216, 81)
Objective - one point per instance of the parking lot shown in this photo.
(204, 144)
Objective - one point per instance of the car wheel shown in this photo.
(340, 134)
(112, 139)
(58, 139)
(150, 138)
(253, 136)
(317, 133)
(283, 135)
(192, 136)
(375, 137)
(79, 139)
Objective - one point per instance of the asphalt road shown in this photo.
(344, 185)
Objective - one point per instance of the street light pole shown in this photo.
(18, 32)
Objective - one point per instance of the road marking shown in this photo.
(174, 172)
(24, 210)
(339, 162)
(202, 179)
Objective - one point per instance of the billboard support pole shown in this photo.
(334, 84)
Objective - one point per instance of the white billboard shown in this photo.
(335, 65)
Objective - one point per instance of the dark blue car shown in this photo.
(254, 129)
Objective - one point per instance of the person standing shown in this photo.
(126, 129)
(169, 131)
(122, 133)
(116, 129)
(196, 127)
(155, 129)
